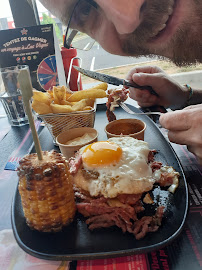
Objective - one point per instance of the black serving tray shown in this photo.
(77, 242)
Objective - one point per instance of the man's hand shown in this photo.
(171, 94)
(185, 127)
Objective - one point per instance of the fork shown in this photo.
(128, 110)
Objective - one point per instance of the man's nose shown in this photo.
(126, 15)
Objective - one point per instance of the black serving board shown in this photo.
(77, 242)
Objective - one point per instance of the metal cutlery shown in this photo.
(128, 110)
(113, 80)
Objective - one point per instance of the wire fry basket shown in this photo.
(56, 123)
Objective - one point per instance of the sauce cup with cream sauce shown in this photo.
(70, 141)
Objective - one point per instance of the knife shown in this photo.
(114, 80)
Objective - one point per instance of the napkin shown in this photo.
(12, 257)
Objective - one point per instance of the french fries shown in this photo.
(87, 108)
(89, 93)
(40, 107)
(102, 86)
(65, 102)
(59, 94)
(81, 105)
(59, 100)
(42, 97)
(57, 108)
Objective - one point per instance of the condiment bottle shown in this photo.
(67, 56)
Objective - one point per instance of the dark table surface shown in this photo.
(184, 253)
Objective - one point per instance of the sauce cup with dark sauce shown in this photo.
(126, 127)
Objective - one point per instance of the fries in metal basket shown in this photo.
(61, 100)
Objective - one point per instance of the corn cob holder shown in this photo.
(45, 184)
(27, 93)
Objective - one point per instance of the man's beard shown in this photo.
(184, 48)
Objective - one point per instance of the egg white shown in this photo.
(131, 175)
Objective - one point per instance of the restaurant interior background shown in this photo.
(96, 58)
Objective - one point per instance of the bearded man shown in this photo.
(167, 28)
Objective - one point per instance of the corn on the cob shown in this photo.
(46, 191)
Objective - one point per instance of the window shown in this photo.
(6, 18)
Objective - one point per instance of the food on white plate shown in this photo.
(111, 178)
(115, 96)
(46, 191)
(80, 140)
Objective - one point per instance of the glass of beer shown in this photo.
(10, 95)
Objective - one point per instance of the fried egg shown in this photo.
(122, 166)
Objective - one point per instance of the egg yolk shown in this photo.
(101, 154)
